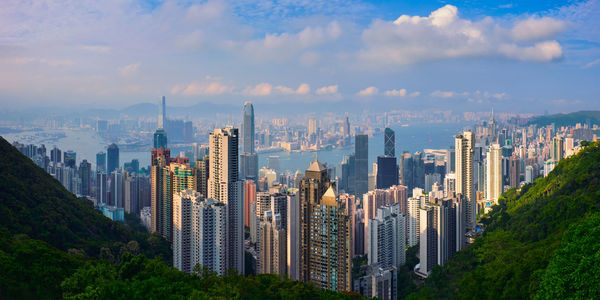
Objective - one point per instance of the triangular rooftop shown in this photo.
(316, 166)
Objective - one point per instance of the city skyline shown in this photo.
(466, 55)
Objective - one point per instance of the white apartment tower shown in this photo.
(224, 186)
(464, 147)
(494, 173)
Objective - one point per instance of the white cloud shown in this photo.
(303, 89)
(330, 89)
(415, 94)
(448, 94)
(129, 70)
(370, 91)
(261, 89)
(280, 46)
(202, 88)
(400, 92)
(444, 35)
(535, 29)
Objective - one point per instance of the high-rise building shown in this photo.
(162, 114)
(199, 232)
(514, 173)
(248, 157)
(372, 200)
(378, 282)
(413, 221)
(313, 127)
(85, 174)
(271, 245)
(271, 201)
(464, 146)
(387, 171)
(249, 196)
(248, 128)
(387, 236)
(325, 254)
(202, 167)
(348, 175)
(361, 150)
(558, 148)
(389, 142)
(494, 173)
(224, 186)
(101, 188)
(346, 127)
(112, 162)
(70, 159)
(293, 236)
(161, 197)
(116, 190)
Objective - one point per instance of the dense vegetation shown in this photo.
(542, 241)
(567, 119)
(54, 245)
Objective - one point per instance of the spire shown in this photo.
(492, 119)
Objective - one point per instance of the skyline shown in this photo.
(530, 57)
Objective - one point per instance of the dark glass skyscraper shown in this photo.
(101, 162)
(85, 174)
(389, 142)
(361, 150)
(70, 159)
(387, 171)
(112, 158)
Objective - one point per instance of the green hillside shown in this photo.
(542, 241)
(569, 119)
(54, 245)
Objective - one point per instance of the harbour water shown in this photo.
(86, 143)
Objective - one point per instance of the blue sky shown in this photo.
(515, 56)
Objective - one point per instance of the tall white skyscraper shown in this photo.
(224, 186)
(464, 147)
(494, 173)
(413, 222)
(162, 114)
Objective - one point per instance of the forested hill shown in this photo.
(569, 119)
(54, 245)
(541, 242)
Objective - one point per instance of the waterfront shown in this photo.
(86, 143)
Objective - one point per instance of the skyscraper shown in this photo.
(324, 232)
(199, 232)
(224, 186)
(85, 174)
(162, 114)
(248, 128)
(248, 157)
(361, 150)
(293, 236)
(249, 196)
(464, 146)
(387, 236)
(271, 245)
(70, 159)
(387, 171)
(389, 142)
(112, 158)
(494, 173)
(558, 148)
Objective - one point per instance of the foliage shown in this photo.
(518, 256)
(36, 204)
(137, 277)
(573, 272)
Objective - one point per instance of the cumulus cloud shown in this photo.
(303, 89)
(202, 88)
(534, 29)
(330, 89)
(285, 45)
(129, 70)
(261, 89)
(400, 92)
(370, 91)
(445, 35)
(448, 94)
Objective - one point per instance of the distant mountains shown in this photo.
(541, 242)
(592, 116)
